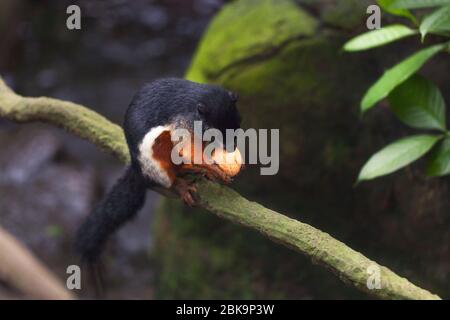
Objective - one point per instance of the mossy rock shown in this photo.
(298, 82)
(291, 74)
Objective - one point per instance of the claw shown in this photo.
(214, 173)
(211, 176)
(186, 191)
(211, 172)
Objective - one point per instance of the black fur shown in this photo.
(162, 101)
(158, 103)
(121, 203)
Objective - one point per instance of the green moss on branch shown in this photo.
(349, 265)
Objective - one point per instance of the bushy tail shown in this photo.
(121, 204)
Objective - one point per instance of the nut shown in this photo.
(228, 162)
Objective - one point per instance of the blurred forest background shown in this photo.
(284, 58)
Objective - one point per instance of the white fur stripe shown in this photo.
(150, 167)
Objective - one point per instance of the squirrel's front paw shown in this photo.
(186, 191)
(217, 175)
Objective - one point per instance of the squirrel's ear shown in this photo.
(202, 109)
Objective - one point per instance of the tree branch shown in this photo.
(350, 266)
(20, 269)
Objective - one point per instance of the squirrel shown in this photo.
(155, 111)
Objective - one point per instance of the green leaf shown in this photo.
(397, 155)
(386, 5)
(378, 38)
(418, 103)
(397, 75)
(437, 22)
(439, 162)
(418, 4)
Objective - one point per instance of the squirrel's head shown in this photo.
(217, 109)
(180, 103)
(214, 106)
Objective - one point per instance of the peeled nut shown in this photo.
(192, 153)
(228, 162)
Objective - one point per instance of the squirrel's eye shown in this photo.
(233, 96)
(202, 109)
